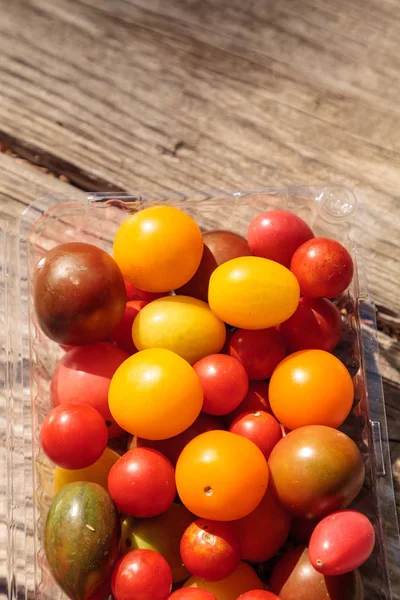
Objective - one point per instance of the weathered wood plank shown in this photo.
(150, 95)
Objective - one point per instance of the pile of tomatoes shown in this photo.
(210, 356)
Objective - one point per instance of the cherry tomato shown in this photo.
(142, 575)
(242, 580)
(259, 351)
(74, 435)
(158, 249)
(219, 247)
(179, 323)
(264, 531)
(259, 427)
(326, 462)
(122, 334)
(311, 387)
(155, 394)
(323, 267)
(142, 483)
(276, 234)
(341, 542)
(133, 293)
(256, 399)
(224, 382)
(172, 447)
(95, 473)
(258, 595)
(253, 293)
(103, 592)
(214, 469)
(84, 374)
(210, 549)
(192, 594)
(316, 324)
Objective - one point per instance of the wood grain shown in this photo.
(142, 95)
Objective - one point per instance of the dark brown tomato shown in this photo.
(316, 470)
(219, 247)
(79, 294)
(294, 578)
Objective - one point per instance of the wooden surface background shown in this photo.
(132, 95)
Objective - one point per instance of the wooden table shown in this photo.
(111, 95)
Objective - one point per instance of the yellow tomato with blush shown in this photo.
(243, 579)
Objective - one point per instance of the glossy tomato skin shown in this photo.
(264, 531)
(311, 387)
(133, 293)
(341, 542)
(276, 234)
(181, 324)
(73, 435)
(155, 394)
(84, 374)
(294, 578)
(243, 579)
(172, 447)
(79, 294)
(323, 268)
(316, 324)
(258, 595)
(326, 462)
(224, 381)
(259, 427)
(259, 351)
(142, 575)
(192, 594)
(214, 469)
(122, 334)
(256, 399)
(219, 247)
(142, 483)
(243, 293)
(158, 249)
(210, 549)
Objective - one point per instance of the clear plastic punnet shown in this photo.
(28, 359)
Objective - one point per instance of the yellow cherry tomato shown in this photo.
(253, 293)
(221, 476)
(182, 324)
(158, 249)
(155, 394)
(243, 579)
(95, 473)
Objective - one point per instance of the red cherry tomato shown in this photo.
(172, 447)
(74, 436)
(341, 542)
(259, 351)
(323, 268)
(256, 399)
(276, 234)
(142, 483)
(224, 381)
(142, 575)
(258, 595)
(192, 594)
(84, 374)
(122, 334)
(210, 549)
(260, 427)
(316, 324)
(133, 293)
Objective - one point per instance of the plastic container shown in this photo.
(28, 359)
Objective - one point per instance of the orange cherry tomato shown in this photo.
(243, 579)
(221, 476)
(253, 293)
(311, 387)
(155, 394)
(158, 249)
